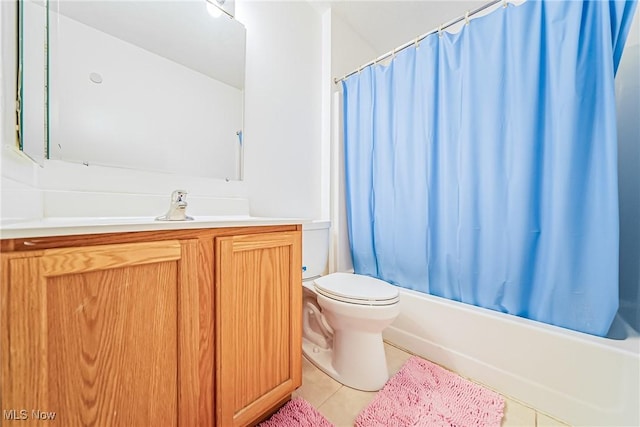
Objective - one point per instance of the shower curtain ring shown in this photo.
(505, 3)
(440, 31)
(466, 18)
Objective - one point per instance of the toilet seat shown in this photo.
(357, 289)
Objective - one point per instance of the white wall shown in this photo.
(283, 107)
(348, 49)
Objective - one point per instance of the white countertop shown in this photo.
(47, 227)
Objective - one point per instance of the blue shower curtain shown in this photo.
(481, 166)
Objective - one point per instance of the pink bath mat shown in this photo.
(297, 413)
(424, 394)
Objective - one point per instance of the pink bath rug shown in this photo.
(297, 413)
(424, 394)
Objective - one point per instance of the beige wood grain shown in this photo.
(113, 346)
(103, 336)
(257, 308)
(81, 260)
(135, 315)
(23, 330)
(206, 345)
(295, 305)
(188, 335)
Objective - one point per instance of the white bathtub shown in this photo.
(574, 377)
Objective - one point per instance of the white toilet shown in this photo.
(343, 316)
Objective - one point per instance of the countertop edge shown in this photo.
(69, 227)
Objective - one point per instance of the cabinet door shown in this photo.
(258, 324)
(101, 336)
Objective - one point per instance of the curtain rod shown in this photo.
(422, 37)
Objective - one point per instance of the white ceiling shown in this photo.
(386, 25)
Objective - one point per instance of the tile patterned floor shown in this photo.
(341, 404)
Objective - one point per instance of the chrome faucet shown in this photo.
(177, 209)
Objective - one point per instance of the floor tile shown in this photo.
(343, 407)
(395, 358)
(517, 415)
(546, 421)
(316, 385)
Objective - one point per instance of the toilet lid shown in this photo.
(357, 289)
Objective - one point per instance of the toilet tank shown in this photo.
(315, 248)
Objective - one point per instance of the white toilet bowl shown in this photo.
(342, 334)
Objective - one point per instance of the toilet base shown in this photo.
(373, 379)
(320, 357)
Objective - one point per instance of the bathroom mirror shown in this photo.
(154, 85)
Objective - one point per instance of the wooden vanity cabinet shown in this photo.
(96, 334)
(164, 328)
(258, 324)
